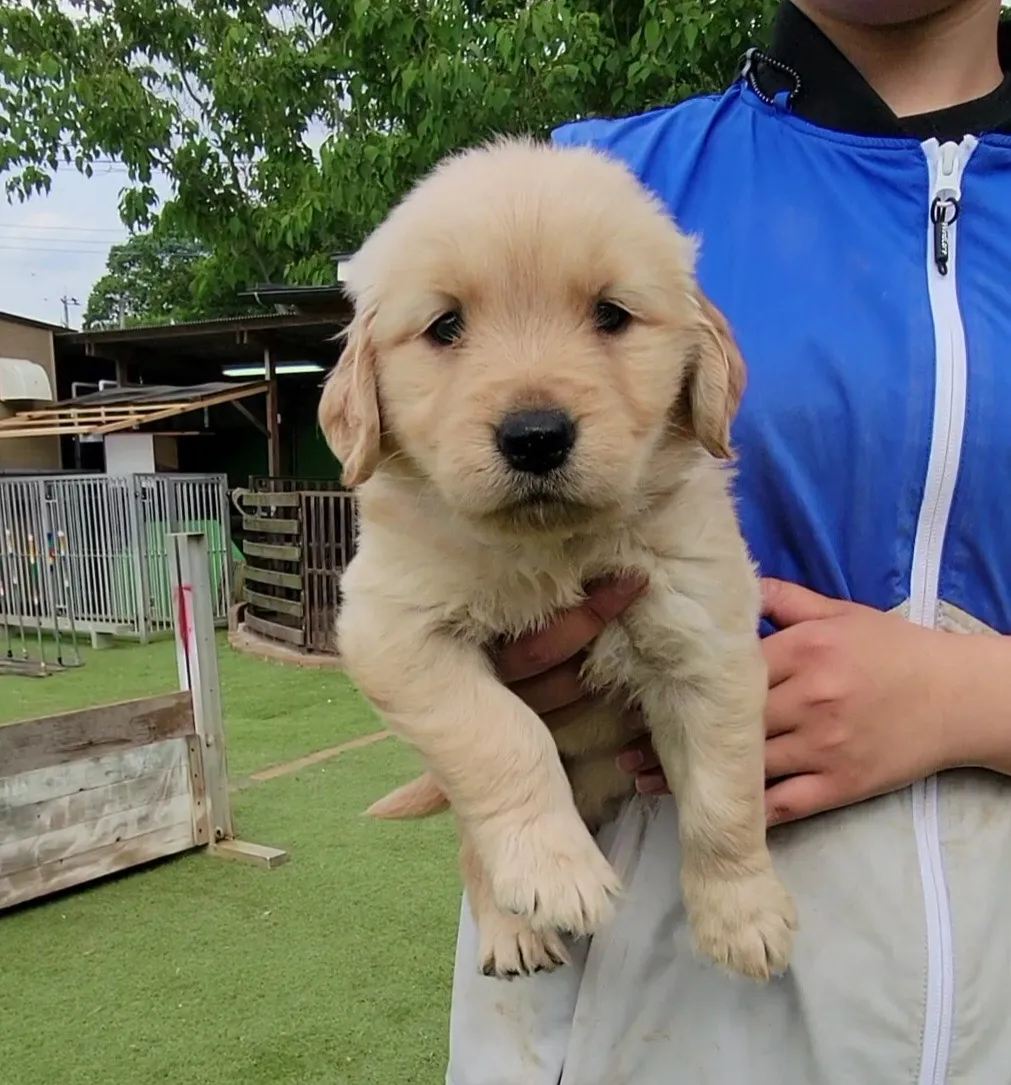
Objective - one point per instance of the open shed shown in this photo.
(288, 353)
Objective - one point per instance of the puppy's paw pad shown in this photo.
(556, 880)
(510, 947)
(745, 925)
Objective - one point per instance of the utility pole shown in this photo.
(122, 311)
(67, 302)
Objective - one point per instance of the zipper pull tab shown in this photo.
(943, 213)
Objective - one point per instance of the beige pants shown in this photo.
(886, 988)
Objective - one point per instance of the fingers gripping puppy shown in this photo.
(534, 393)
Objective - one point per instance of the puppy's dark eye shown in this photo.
(446, 329)
(611, 318)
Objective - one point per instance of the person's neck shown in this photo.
(920, 67)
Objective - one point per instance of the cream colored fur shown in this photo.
(523, 240)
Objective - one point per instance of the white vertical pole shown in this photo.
(196, 655)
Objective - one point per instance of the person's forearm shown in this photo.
(977, 705)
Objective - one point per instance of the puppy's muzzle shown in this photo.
(536, 442)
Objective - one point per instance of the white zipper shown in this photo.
(946, 163)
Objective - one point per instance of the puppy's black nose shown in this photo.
(536, 441)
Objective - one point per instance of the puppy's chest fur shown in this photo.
(523, 594)
(651, 638)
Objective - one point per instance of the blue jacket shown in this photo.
(875, 431)
(867, 278)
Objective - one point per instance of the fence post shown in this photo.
(197, 659)
(225, 519)
(137, 548)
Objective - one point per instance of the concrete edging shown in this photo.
(242, 640)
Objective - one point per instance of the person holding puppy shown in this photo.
(852, 195)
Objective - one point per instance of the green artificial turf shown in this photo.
(332, 969)
(273, 712)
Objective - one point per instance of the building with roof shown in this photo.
(236, 395)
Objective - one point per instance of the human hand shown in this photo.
(542, 668)
(859, 703)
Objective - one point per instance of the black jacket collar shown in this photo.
(804, 71)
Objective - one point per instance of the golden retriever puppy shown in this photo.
(534, 394)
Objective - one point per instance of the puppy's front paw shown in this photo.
(510, 947)
(745, 924)
(552, 872)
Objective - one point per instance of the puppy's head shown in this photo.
(527, 333)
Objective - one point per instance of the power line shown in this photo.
(81, 242)
(12, 240)
(97, 251)
(84, 242)
(24, 241)
(62, 229)
(41, 251)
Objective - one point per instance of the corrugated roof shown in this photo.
(31, 322)
(300, 297)
(210, 326)
(143, 394)
(114, 409)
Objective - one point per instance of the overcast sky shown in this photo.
(55, 246)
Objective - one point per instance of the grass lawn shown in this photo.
(332, 969)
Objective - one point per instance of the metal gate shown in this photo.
(298, 537)
(109, 532)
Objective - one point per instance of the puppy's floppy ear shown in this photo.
(349, 407)
(714, 381)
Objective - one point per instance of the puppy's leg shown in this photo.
(493, 757)
(510, 946)
(708, 733)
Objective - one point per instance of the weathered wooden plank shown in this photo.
(274, 629)
(198, 791)
(197, 663)
(271, 552)
(78, 869)
(276, 526)
(49, 814)
(250, 853)
(86, 836)
(278, 580)
(90, 732)
(271, 500)
(57, 781)
(272, 602)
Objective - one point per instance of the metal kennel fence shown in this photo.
(107, 538)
